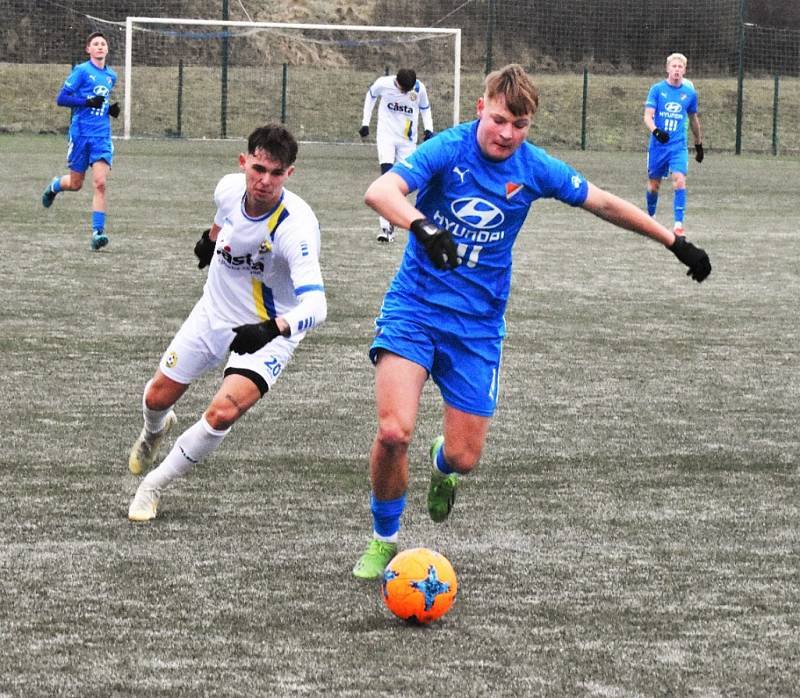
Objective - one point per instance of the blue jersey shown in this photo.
(87, 80)
(672, 105)
(483, 204)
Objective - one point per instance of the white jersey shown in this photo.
(267, 266)
(398, 111)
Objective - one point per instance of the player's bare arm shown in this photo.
(624, 214)
(387, 195)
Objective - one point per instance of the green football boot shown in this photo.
(374, 560)
(442, 490)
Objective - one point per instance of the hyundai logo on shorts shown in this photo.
(477, 213)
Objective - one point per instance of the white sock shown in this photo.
(153, 419)
(385, 225)
(190, 448)
(386, 539)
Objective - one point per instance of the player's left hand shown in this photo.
(698, 152)
(363, 131)
(250, 338)
(693, 257)
(113, 110)
(204, 249)
(428, 134)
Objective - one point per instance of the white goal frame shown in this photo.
(129, 22)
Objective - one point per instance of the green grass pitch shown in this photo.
(632, 528)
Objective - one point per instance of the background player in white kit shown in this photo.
(263, 293)
(403, 100)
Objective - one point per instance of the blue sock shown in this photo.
(441, 464)
(98, 220)
(55, 185)
(679, 204)
(386, 515)
(652, 202)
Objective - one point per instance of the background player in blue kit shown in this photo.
(670, 103)
(86, 91)
(443, 313)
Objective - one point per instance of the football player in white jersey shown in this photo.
(403, 100)
(263, 293)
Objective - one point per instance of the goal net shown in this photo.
(219, 79)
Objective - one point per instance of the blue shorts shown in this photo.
(662, 161)
(465, 368)
(84, 151)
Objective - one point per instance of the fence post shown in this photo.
(179, 120)
(740, 78)
(284, 82)
(223, 108)
(584, 105)
(775, 96)
(490, 26)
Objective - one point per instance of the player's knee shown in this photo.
(392, 438)
(100, 184)
(222, 416)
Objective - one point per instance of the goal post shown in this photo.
(210, 78)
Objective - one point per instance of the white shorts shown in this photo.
(391, 150)
(203, 341)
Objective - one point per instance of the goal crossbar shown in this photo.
(130, 21)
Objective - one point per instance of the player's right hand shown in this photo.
(250, 338)
(693, 257)
(363, 131)
(660, 136)
(95, 102)
(438, 243)
(204, 249)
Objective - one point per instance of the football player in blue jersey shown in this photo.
(443, 315)
(671, 105)
(86, 91)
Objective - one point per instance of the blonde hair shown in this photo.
(521, 95)
(677, 57)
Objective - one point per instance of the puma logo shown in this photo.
(460, 173)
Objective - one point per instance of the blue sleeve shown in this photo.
(67, 98)
(692, 106)
(69, 95)
(652, 97)
(565, 183)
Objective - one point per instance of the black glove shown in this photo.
(250, 338)
(698, 152)
(113, 110)
(437, 243)
(204, 249)
(428, 134)
(363, 131)
(693, 257)
(95, 102)
(661, 136)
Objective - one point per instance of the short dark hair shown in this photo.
(406, 78)
(275, 140)
(94, 35)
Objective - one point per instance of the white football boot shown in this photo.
(145, 450)
(144, 505)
